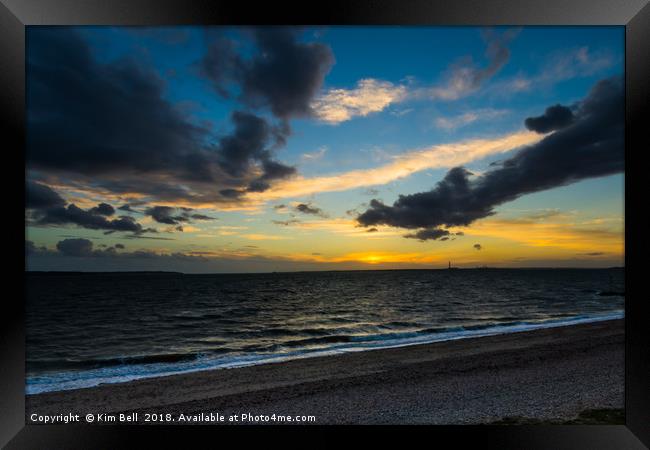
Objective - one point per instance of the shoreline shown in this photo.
(549, 373)
(396, 342)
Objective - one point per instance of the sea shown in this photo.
(86, 329)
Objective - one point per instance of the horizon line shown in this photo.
(62, 272)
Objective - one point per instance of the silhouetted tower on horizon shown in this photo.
(450, 264)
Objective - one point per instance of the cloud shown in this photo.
(537, 217)
(283, 75)
(465, 77)
(273, 170)
(561, 66)
(103, 209)
(163, 214)
(84, 116)
(369, 96)
(67, 254)
(84, 248)
(401, 166)
(287, 74)
(201, 217)
(41, 196)
(73, 215)
(478, 247)
(308, 209)
(431, 234)
(251, 141)
(285, 223)
(401, 112)
(173, 216)
(314, 156)
(220, 63)
(573, 63)
(75, 247)
(128, 207)
(424, 235)
(79, 247)
(591, 146)
(31, 248)
(454, 122)
(554, 118)
(46, 207)
(165, 35)
(109, 127)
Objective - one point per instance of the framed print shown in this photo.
(412, 216)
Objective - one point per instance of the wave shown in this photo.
(122, 369)
(108, 362)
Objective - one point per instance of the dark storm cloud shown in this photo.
(87, 117)
(80, 247)
(109, 125)
(75, 247)
(201, 217)
(73, 215)
(173, 216)
(248, 141)
(451, 203)
(429, 234)
(165, 214)
(273, 170)
(554, 118)
(103, 209)
(284, 74)
(67, 252)
(220, 64)
(166, 35)
(478, 247)
(45, 207)
(41, 196)
(591, 146)
(231, 193)
(126, 207)
(252, 141)
(308, 209)
(31, 248)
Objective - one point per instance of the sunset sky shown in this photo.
(273, 149)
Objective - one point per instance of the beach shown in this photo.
(550, 374)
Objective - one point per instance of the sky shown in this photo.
(218, 149)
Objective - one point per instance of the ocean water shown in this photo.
(88, 329)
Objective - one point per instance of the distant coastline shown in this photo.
(442, 269)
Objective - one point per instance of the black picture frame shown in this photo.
(633, 14)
